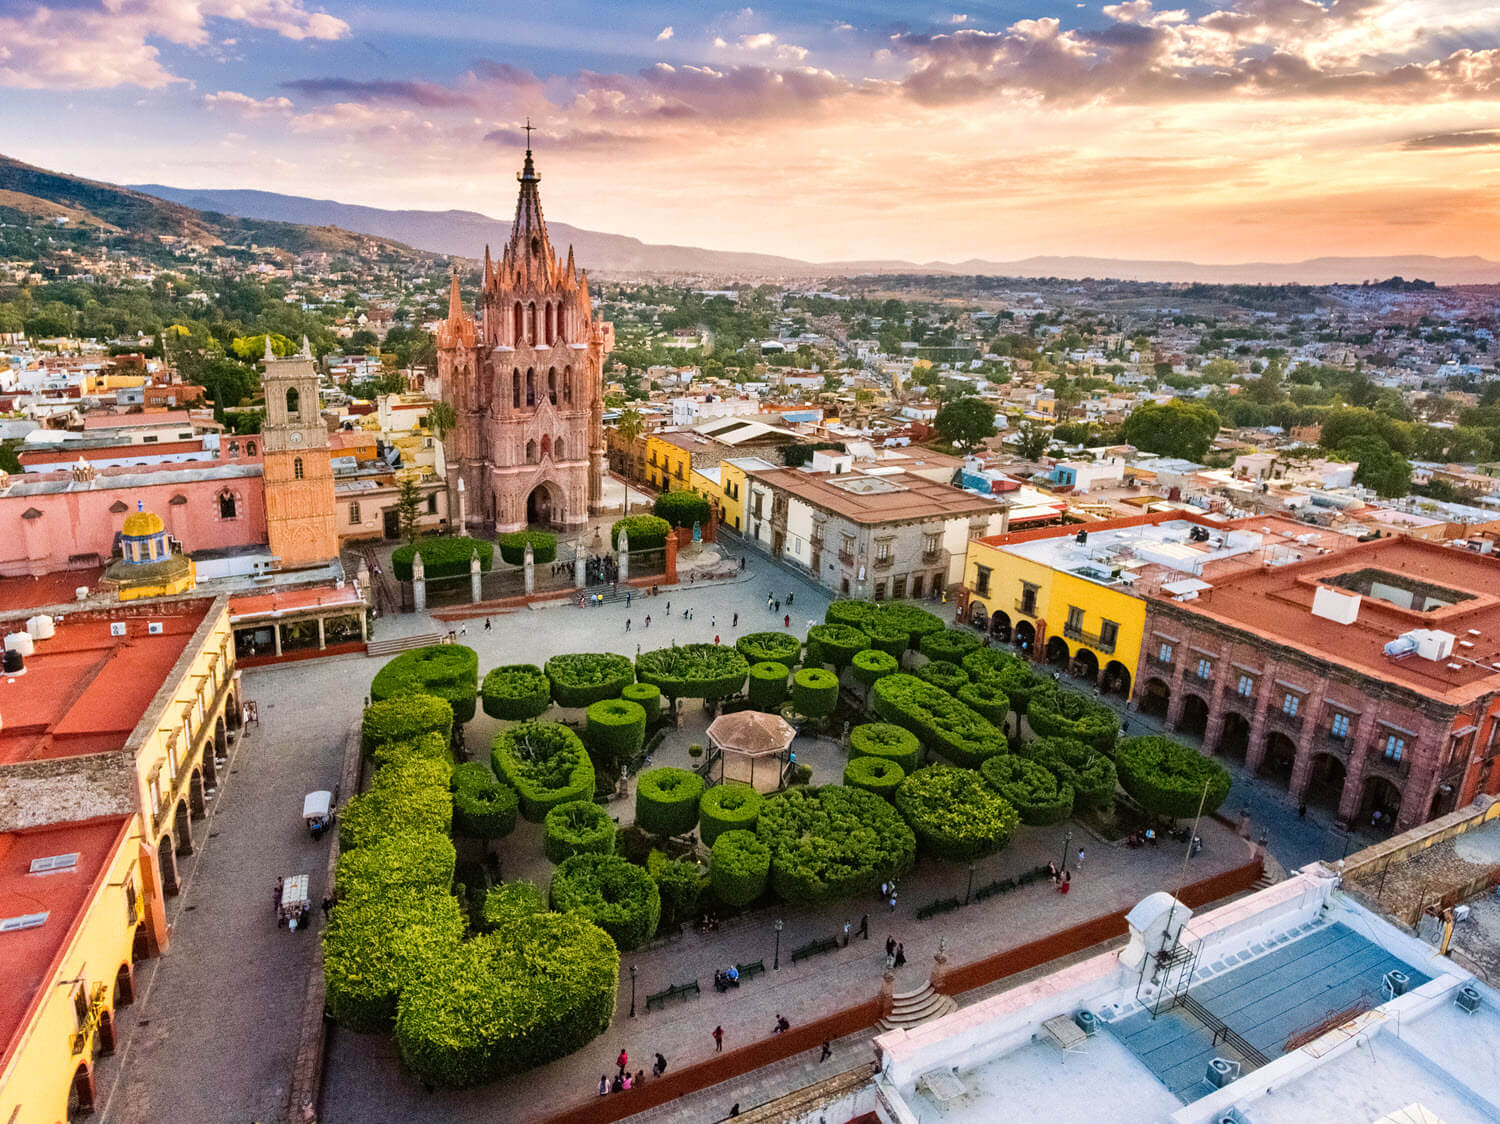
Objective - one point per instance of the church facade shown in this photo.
(524, 375)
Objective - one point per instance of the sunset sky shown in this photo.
(1232, 131)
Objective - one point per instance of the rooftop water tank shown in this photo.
(14, 663)
(41, 627)
(19, 642)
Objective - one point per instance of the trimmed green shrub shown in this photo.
(615, 729)
(581, 678)
(646, 532)
(449, 671)
(1011, 673)
(873, 664)
(377, 946)
(538, 988)
(543, 547)
(681, 883)
(732, 806)
(508, 901)
(483, 807)
(611, 892)
(442, 557)
(941, 723)
(815, 692)
(1055, 713)
(890, 627)
(682, 509)
(954, 813)
(646, 695)
(545, 763)
(666, 800)
(767, 685)
(426, 747)
(409, 797)
(693, 671)
(1168, 778)
(738, 868)
(1030, 787)
(951, 645)
(414, 861)
(888, 637)
(770, 647)
(403, 718)
(879, 775)
(1088, 772)
(579, 827)
(916, 622)
(832, 842)
(943, 675)
(882, 739)
(987, 698)
(516, 691)
(835, 644)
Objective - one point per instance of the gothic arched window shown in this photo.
(293, 401)
(557, 449)
(530, 387)
(515, 383)
(520, 329)
(552, 385)
(228, 509)
(531, 452)
(297, 469)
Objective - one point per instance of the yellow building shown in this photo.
(669, 465)
(707, 482)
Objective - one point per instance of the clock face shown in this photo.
(295, 438)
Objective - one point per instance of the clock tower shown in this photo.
(297, 467)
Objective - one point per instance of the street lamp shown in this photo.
(632, 991)
(969, 892)
(776, 960)
(1067, 847)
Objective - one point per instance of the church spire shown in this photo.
(455, 298)
(528, 234)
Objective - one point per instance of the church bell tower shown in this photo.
(297, 466)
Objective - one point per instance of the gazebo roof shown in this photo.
(751, 732)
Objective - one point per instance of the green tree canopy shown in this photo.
(1177, 429)
(965, 422)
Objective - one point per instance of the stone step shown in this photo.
(394, 644)
(898, 1019)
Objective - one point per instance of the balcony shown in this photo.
(1337, 744)
(1287, 723)
(846, 558)
(1381, 765)
(930, 556)
(83, 1038)
(1090, 639)
(1026, 608)
(884, 563)
(1155, 660)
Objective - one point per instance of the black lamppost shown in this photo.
(776, 960)
(1067, 847)
(970, 891)
(632, 991)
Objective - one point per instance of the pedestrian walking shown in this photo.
(718, 1039)
(604, 1084)
(827, 1051)
(768, 602)
(890, 948)
(487, 624)
(735, 623)
(787, 621)
(864, 926)
(847, 926)
(900, 955)
(1065, 882)
(713, 621)
(627, 624)
(1079, 864)
(660, 1067)
(628, 595)
(669, 608)
(640, 1077)
(885, 889)
(778, 606)
(893, 901)
(716, 639)
(463, 628)
(622, 1061)
(790, 597)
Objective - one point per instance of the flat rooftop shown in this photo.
(28, 955)
(890, 497)
(84, 690)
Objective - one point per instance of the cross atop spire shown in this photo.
(528, 233)
(529, 131)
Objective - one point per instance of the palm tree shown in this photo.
(629, 426)
(441, 419)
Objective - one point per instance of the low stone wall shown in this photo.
(1380, 855)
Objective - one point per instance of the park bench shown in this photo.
(937, 906)
(814, 948)
(750, 971)
(676, 991)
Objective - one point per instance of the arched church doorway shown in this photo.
(544, 506)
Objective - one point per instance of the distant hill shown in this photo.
(28, 194)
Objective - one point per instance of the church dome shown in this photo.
(143, 524)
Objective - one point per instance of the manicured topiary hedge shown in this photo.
(892, 628)
(404, 717)
(543, 547)
(879, 775)
(1169, 778)
(693, 671)
(376, 946)
(950, 645)
(666, 801)
(916, 622)
(941, 723)
(681, 883)
(770, 647)
(613, 893)
(815, 692)
(1012, 674)
(516, 691)
(615, 729)
(446, 557)
(545, 763)
(449, 671)
(681, 509)
(954, 813)
(891, 742)
(579, 827)
(427, 747)
(856, 614)
(1088, 772)
(483, 807)
(414, 861)
(873, 664)
(738, 868)
(1030, 787)
(832, 842)
(646, 695)
(407, 797)
(988, 698)
(646, 532)
(508, 901)
(1055, 713)
(766, 688)
(835, 644)
(537, 988)
(943, 675)
(581, 678)
(728, 807)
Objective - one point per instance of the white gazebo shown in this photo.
(748, 736)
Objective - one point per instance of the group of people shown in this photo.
(726, 978)
(623, 1080)
(888, 893)
(1062, 879)
(895, 953)
(773, 604)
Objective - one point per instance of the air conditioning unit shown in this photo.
(1221, 1072)
(1089, 1024)
(1395, 983)
(1468, 999)
(1232, 1116)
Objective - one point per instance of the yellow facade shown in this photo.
(1004, 583)
(706, 486)
(733, 487)
(1081, 612)
(668, 467)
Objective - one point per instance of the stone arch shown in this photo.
(166, 858)
(293, 402)
(250, 448)
(228, 505)
(1000, 626)
(140, 949)
(1086, 664)
(568, 385)
(515, 389)
(1116, 679)
(1234, 737)
(1194, 720)
(196, 802)
(221, 738)
(557, 449)
(1156, 696)
(1025, 636)
(531, 457)
(979, 616)
(210, 771)
(552, 385)
(1279, 759)
(104, 1037)
(531, 386)
(182, 826)
(1325, 781)
(81, 1092)
(1383, 795)
(1057, 651)
(546, 504)
(124, 991)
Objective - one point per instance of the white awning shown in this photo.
(1185, 585)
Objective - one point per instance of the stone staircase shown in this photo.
(394, 644)
(911, 1008)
